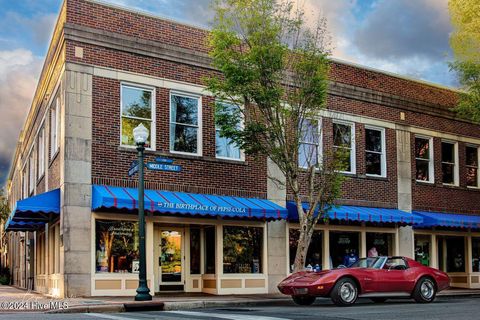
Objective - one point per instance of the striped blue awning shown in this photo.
(365, 214)
(451, 220)
(168, 202)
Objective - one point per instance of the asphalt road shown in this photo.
(465, 308)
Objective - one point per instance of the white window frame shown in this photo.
(383, 154)
(455, 164)
(24, 181)
(153, 126)
(470, 166)
(199, 122)
(242, 126)
(41, 152)
(55, 127)
(319, 145)
(31, 171)
(431, 172)
(353, 166)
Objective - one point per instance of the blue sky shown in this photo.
(408, 37)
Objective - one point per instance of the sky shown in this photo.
(407, 37)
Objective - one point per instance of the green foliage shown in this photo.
(4, 209)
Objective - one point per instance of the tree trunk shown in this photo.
(304, 239)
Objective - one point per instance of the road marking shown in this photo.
(107, 316)
(225, 315)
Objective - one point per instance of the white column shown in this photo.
(363, 244)
(468, 257)
(434, 251)
(326, 250)
(219, 255)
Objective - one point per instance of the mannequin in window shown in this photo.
(102, 261)
(458, 262)
(372, 252)
(350, 259)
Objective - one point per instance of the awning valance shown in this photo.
(451, 220)
(31, 213)
(169, 202)
(365, 214)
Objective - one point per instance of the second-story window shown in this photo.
(423, 159)
(344, 141)
(471, 162)
(185, 128)
(31, 172)
(449, 163)
(55, 127)
(24, 183)
(309, 144)
(41, 152)
(224, 147)
(375, 159)
(137, 106)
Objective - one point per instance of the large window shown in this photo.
(242, 249)
(379, 244)
(185, 132)
(344, 143)
(471, 162)
(309, 148)
(314, 254)
(475, 254)
(31, 173)
(422, 249)
(116, 246)
(137, 106)
(210, 257)
(41, 152)
(225, 147)
(451, 253)
(424, 159)
(344, 248)
(195, 251)
(375, 160)
(449, 163)
(55, 127)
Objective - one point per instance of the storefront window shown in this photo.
(194, 251)
(116, 246)
(422, 249)
(451, 254)
(379, 244)
(475, 254)
(210, 250)
(344, 248)
(242, 249)
(314, 254)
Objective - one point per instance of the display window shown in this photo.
(116, 246)
(313, 260)
(451, 253)
(344, 248)
(422, 249)
(379, 244)
(210, 256)
(242, 249)
(195, 251)
(476, 254)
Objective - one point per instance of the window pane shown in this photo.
(422, 249)
(309, 131)
(422, 148)
(210, 250)
(183, 138)
(314, 254)
(422, 170)
(373, 140)
(195, 251)
(373, 163)
(307, 155)
(448, 152)
(471, 156)
(184, 110)
(344, 247)
(341, 135)
(127, 130)
(345, 155)
(136, 103)
(472, 177)
(225, 147)
(242, 249)
(447, 173)
(475, 254)
(379, 244)
(116, 246)
(455, 253)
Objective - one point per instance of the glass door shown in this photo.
(171, 260)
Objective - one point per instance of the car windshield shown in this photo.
(373, 263)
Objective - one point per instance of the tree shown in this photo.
(274, 72)
(465, 43)
(4, 209)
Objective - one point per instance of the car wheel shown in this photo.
(378, 300)
(425, 291)
(303, 300)
(345, 292)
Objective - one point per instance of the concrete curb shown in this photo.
(107, 308)
(186, 305)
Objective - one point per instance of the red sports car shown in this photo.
(377, 278)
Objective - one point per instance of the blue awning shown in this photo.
(451, 220)
(365, 214)
(168, 202)
(33, 212)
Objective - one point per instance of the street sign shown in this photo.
(163, 167)
(133, 168)
(164, 160)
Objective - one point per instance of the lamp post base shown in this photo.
(143, 294)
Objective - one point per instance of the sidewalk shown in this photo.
(14, 300)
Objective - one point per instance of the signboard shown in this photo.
(133, 168)
(136, 266)
(164, 160)
(163, 167)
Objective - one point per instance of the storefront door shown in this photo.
(171, 266)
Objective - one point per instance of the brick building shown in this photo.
(217, 223)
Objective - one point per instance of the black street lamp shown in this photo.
(140, 135)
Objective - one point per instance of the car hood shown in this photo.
(305, 276)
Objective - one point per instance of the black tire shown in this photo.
(344, 293)
(303, 300)
(425, 290)
(378, 300)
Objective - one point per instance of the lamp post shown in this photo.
(140, 135)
